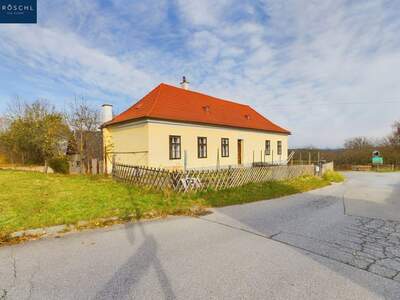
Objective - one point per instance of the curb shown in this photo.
(42, 232)
(38, 233)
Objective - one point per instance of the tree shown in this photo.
(394, 138)
(84, 121)
(358, 143)
(36, 133)
(7, 148)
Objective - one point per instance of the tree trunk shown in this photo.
(81, 151)
(46, 166)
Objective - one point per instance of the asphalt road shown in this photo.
(297, 247)
(373, 195)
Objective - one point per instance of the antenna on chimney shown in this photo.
(184, 83)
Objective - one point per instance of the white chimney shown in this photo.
(106, 113)
(184, 83)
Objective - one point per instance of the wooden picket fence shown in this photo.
(199, 180)
(153, 177)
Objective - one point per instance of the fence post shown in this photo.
(184, 160)
(218, 159)
(113, 166)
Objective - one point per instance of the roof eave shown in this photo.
(110, 123)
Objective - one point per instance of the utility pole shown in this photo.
(218, 163)
(184, 160)
(272, 154)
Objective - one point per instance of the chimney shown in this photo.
(106, 113)
(184, 83)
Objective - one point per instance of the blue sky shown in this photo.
(326, 70)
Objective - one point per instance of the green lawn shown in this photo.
(32, 200)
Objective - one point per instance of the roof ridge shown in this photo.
(196, 92)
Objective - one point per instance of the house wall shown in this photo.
(253, 142)
(128, 143)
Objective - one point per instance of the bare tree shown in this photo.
(4, 123)
(394, 138)
(16, 108)
(358, 143)
(83, 120)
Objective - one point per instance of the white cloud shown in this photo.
(205, 12)
(277, 56)
(326, 52)
(65, 56)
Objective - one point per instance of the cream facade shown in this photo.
(126, 143)
(148, 143)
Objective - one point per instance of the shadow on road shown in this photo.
(123, 282)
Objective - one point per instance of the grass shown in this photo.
(33, 200)
(263, 191)
(332, 176)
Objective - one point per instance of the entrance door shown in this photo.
(239, 151)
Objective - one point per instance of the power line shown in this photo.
(330, 103)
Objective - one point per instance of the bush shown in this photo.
(59, 164)
(333, 176)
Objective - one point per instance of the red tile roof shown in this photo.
(167, 102)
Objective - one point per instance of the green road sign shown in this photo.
(377, 160)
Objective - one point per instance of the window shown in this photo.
(174, 147)
(225, 147)
(267, 147)
(201, 147)
(279, 147)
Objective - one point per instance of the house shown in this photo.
(177, 128)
